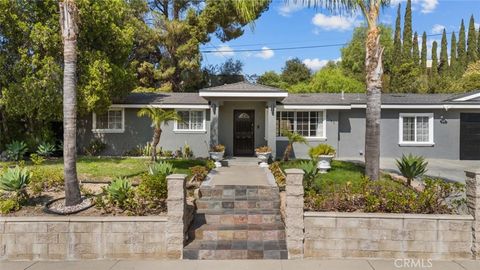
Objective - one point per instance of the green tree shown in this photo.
(329, 79)
(416, 51)
(462, 49)
(472, 42)
(270, 78)
(478, 43)
(295, 71)
(181, 27)
(453, 55)
(443, 64)
(293, 137)
(423, 57)
(69, 27)
(470, 80)
(158, 118)
(434, 67)
(407, 34)
(230, 71)
(397, 40)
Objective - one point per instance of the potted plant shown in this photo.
(216, 153)
(323, 154)
(263, 153)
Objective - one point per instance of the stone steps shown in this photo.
(237, 222)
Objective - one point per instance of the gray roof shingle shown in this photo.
(163, 98)
(242, 87)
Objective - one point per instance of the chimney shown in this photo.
(343, 95)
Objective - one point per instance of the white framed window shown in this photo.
(310, 124)
(416, 129)
(113, 121)
(192, 121)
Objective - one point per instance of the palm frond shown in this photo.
(159, 116)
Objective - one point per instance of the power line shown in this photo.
(290, 48)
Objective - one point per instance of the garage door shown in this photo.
(470, 136)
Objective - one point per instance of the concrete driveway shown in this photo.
(451, 170)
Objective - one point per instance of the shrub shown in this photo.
(411, 167)
(320, 150)
(187, 151)
(8, 205)
(199, 173)
(95, 147)
(210, 164)
(46, 149)
(36, 159)
(311, 171)
(153, 188)
(16, 150)
(167, 153)
(263, 149)
(119, 191)
(15, 179)
(45, 179)
(217, 148)
(163, 168)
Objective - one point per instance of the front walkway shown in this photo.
(240, 172)
(340, 264)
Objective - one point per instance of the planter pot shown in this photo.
(323, 164)
(263, 158)
(217, 156)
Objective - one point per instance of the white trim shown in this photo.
(314, 107)
(324, 124)
(175, 124)
(424, 106)
(430, 142)
(242, 94)
(161, 106)
(468, 97)
(106, 130)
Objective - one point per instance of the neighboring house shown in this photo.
(243, 116)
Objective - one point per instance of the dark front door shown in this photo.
(243, 132)
(470, 136)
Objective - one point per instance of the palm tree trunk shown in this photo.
(286, 154)
(68, 16)
(156, 139)
(374, 70)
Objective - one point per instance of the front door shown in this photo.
(470, 136)
(243, 132)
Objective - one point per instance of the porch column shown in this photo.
(271, 129)
(214, 109)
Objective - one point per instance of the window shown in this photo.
(305, 123)
(110, 122)
(191, 121)
(416, 129)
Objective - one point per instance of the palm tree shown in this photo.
(158, 117)
(293, 137)
(373, 67)
(69, 28)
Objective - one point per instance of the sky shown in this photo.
(293, 25)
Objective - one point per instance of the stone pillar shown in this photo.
(176, 211)
(473, 203)
(271, 128)
(294, 213)
(214, 110)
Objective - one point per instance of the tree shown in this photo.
(453, 55)
(270, 78)
(416, 51)
(230, 71)
(434, 68)
(158, 117)
(443, 65)
(472, 42)
(397, 40)
(461, 49)
(293, 137)
(407, 34)
(69, 27)
(181, 26)
(295, 71)
(423, 57)
(478, 43)
(471, 79)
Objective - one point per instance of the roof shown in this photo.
(164, 98)
(244, 87)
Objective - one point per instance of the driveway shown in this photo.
(451, 170)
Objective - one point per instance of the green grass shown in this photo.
(108, 168)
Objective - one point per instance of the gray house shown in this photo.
(243, 116)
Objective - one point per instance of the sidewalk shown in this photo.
(339, 264)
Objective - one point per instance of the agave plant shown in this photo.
(412, 167)
(163, 168)
(15, 179)
(46, 149)
(311, 171)
(16, 150)
(119, 190)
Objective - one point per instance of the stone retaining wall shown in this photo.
(357, 235)
(72, 238)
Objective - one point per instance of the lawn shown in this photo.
(108, 168)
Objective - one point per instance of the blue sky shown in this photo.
(296, 26)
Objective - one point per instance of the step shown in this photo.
(211, 217)
(235, 249)
(239, 193)
(238, 204)
(265, 232)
